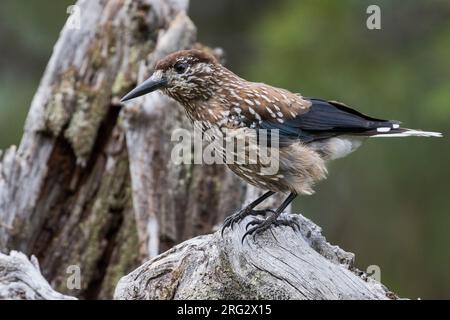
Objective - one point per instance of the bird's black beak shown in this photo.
(155, 82)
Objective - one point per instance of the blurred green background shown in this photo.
(388, 202)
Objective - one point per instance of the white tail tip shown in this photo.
(410, 133)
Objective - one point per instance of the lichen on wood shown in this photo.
(60, 106)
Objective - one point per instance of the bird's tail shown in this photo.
(403, 132)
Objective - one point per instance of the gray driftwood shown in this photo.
(21, 279)
(280, 264)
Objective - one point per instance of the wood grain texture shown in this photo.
(279, 264)
(21, 279)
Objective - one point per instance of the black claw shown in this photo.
(231, 220)
(263, 225)
(243, 238)
(245, 234)
(226, 223)
(237, 217)
(253, 222)
(262, 212)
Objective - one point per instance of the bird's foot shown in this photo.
(231, 220)
(261, 225)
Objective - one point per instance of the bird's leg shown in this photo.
(248, 210)
(262, 225)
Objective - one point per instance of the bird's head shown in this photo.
(186, 76)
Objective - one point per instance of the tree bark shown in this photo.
(282, 263)
(91, 185)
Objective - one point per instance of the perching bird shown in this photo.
(311, 131)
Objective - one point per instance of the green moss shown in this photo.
(99, 230)
(96, 54)
(59, 108)
(101, 49)
(126, 255)
(115, 196)
(124, 80)
(121, 84)
(135, 54)
(91, 108)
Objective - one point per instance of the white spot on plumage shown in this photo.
(271, 112)
(266, 98)
(383, 129)
(236, 96)
(249, 102)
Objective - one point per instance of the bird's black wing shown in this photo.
(326, 119)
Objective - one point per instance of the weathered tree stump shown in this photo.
(281, 263)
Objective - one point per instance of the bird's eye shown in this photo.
(180, 67)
